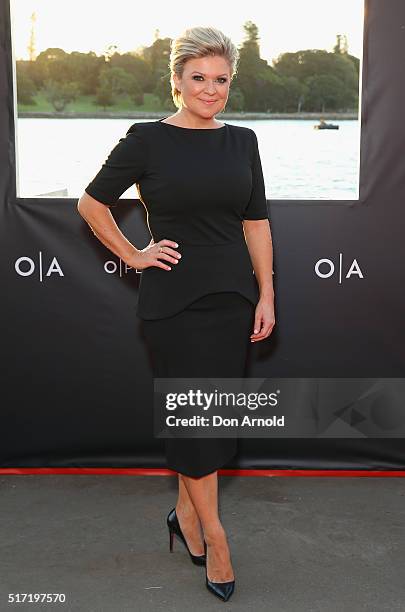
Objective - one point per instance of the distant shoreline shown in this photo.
(158, 115)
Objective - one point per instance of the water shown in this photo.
(61, 156)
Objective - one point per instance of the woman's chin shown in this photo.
(208, 111)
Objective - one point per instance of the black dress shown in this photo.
(197, 186)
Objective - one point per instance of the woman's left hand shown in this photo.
(264, 319)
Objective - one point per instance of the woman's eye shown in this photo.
(221, 79)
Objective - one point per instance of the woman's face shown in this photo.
(204, 85)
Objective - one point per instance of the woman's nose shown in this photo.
(210, 87)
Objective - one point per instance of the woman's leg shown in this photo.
(188, 520)
(203, 493)
(219, 325)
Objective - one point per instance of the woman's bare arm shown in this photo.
(103, 225)
(260, 245)
(98, 216)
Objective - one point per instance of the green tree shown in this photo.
(86, 68)
(293, 94)
(157, 57)
(60, 94)
(254, 75)
(56, 66)
(114, 82)
(324, 92)
(135, 66)
(163, 88)
(236, 100)
(104, 96)
(308, 66)
(117, 79)
(26, 88)
(292, 83)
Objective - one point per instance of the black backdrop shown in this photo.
(76, 382)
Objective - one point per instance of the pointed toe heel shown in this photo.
(223, 590)
(174, 529)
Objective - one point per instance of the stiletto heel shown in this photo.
(223, 590)
(174, 529)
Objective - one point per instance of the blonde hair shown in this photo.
(199, 42)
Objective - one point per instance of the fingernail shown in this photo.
(175, 244)
(256, 331)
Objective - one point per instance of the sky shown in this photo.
(93, 25)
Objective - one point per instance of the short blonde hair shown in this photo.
(199, 42)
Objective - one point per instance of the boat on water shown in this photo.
(325, 126)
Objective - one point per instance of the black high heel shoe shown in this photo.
(174, 529)
(223, 590)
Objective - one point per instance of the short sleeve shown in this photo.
(257, 205)
(123, 167)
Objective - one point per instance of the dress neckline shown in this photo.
(179, 127)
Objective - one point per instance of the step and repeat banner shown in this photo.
(77, 388)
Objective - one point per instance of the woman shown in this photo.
(200, 301)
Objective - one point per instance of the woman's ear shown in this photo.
(177, 82)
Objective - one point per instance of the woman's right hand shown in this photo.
(151, 255)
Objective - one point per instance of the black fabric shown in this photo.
(197, 185)
(210, 339)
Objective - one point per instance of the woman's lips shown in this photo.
(208, 101)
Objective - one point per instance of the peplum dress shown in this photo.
(197, 186)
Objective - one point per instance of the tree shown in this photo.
(60, 94)
(163, 87)
(236, 100)
(26, 88)
(293, 94)
(254, 75)
(157, 56)
(104, 96)
(56, 65)
(115, 82)
(308, 66)
(324, 93)
(136, 66)
(85, 67)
